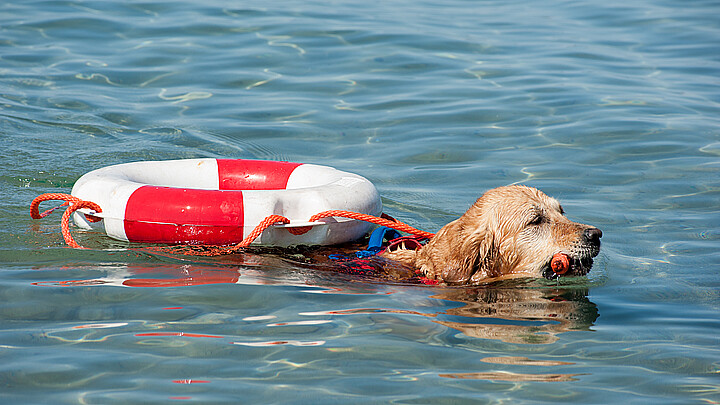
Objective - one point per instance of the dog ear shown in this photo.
(467, 249)
(456, 252)
(472, 258)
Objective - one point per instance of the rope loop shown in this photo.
(74, 204)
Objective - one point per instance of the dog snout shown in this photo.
(592, 235)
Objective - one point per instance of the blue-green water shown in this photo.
(612, 107)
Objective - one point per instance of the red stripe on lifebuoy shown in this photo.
(175, 215)
(254, 174)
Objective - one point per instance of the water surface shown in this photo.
(612, 107)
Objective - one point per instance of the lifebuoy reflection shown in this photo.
(521, 314)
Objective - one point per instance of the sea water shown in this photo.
(612, 107)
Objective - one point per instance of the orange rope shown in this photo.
(264, 224)
(274, 219)
(74, 205)
(394, 224)
(271, 220)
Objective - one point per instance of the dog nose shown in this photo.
(592, 235)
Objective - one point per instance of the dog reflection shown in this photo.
(535, 315)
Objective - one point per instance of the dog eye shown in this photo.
(536, 220)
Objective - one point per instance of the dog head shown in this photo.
(511, 231)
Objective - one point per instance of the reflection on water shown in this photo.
(535, 315)
(508, 376)
(154, 276)
(527, 313)
(517, 312)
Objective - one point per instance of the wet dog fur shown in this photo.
(509, 232)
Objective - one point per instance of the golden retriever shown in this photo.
(509, 232)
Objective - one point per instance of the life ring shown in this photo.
(220, 201)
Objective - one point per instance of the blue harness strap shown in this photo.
(375, 244)
(377, 237)
(365, 262)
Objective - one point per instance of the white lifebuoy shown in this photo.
(220, 201)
